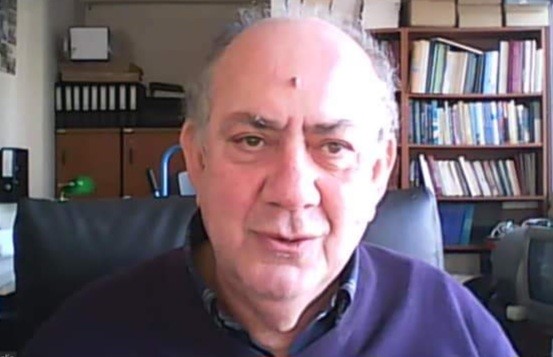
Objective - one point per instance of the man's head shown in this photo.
(292, 156)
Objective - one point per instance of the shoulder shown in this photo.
(120, 309)
(411, 292)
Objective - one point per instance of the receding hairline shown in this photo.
(316, 27)
(199, 96)
(326, 36)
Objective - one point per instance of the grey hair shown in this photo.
(199, 93)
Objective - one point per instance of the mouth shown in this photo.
(285, 246)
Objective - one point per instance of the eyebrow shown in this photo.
(253, 120)
(259, 122)
(331, 127)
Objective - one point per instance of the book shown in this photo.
(467, 224)
(425, 173)
(456, 220)
(419, 65)
(458, 45)
(452, 222)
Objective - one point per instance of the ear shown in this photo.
(384, 165)
(193, 153)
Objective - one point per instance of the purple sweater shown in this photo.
(402, 307)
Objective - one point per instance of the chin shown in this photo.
(282, 282)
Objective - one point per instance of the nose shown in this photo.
(291, 183)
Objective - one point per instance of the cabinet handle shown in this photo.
(131, 156)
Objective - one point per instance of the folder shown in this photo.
(103, 98)
(122, 97)
(112, 104)
(59, 98)
(76, 98)
(94, 98)
(86, 98)
(68, 98)
(133, 97)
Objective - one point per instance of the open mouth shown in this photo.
(285, 246)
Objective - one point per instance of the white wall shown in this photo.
(26, 108)
(169, 40)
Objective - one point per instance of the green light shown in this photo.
(79, 186)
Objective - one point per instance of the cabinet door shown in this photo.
(91, 152)
(143, 149)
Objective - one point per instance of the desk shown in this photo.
(529, 339)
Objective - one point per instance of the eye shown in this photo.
(334, 148)
(336, 155)
(250, 142)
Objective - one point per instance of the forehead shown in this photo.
(336, 79)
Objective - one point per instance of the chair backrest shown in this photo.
(407, 221)
(59, 247)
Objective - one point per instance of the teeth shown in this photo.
(283, 255)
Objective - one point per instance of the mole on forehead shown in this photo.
(295, 82)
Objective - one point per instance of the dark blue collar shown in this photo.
(322, 323)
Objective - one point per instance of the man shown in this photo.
(289, 146)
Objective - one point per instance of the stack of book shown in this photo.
(443, 66)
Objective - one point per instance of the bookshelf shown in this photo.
(487, 130)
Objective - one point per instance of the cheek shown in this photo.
(227, 194)
(349, 205)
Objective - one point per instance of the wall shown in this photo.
(26, 108)
(169, 40)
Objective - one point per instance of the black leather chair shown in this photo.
(59, 247)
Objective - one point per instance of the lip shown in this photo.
(281, 244)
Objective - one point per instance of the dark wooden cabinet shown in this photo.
(143, 149)
(116, 159)
(92, 152)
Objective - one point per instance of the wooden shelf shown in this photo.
(488, 198)
(437, 31)
(385, 31)
(470, 248)
(477, 147)
(475, 96)
(525, 156)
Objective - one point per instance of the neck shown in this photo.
(272, 324)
